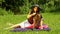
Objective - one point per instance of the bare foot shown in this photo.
(10, 24)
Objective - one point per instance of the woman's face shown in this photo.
(35, 9)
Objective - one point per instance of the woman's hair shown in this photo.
(32, 8)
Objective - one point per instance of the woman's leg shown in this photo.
(23, 24)
(20, 25)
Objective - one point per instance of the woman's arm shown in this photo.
(41, 23)
(30, 15)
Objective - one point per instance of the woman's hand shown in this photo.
(34, 14)
(41, 27)
(31, 15)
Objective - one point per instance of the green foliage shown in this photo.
(22, 6)
(3, 12)
(52, 6)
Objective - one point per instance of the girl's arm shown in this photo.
(30, 15)
(41, 23)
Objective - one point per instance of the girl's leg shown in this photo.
(10, 24)
(18, 26)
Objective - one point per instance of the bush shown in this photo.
(3, 12)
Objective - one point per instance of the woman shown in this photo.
(29, 22)
(35, 9)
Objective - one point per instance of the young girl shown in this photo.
(29, 22)
(35, 9)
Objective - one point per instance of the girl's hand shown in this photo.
(34, 14)
(41, 27)
(31, 15)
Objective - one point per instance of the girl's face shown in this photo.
(35, 9)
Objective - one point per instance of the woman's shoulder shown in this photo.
(40, 15)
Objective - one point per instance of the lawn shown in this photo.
(51, 19)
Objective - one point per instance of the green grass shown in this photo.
(51, 19)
